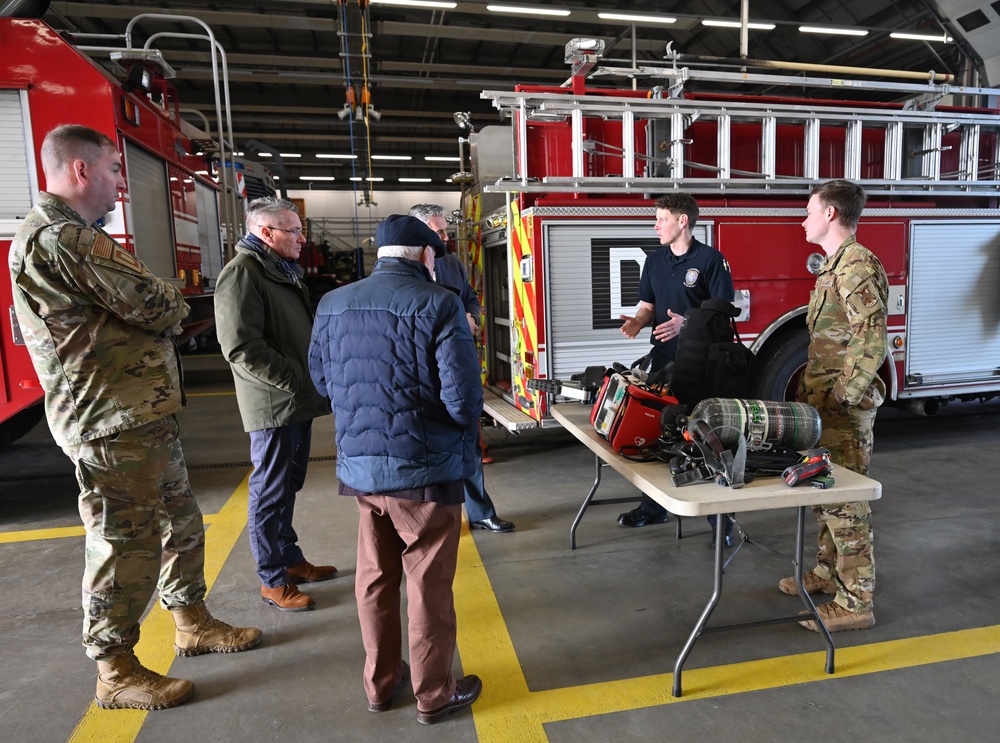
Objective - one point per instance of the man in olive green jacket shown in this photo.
(264, 322)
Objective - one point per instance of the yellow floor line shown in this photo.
(156, 645)
(508, 712)
(59, 532)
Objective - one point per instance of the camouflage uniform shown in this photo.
(99, 330)
(847, 344)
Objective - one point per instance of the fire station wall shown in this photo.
(593, 271)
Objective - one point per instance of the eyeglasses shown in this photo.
(297, 232)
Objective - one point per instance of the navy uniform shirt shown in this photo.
(680, 282)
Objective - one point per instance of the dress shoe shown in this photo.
(493, 523)
(287, 598)
(812, 582)
(306, 572)
(386, 705)
(467, 690)
(639, 516)
(838, 619)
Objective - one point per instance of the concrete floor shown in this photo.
(571, 646)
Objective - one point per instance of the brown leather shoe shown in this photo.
(306, 572)
(287, 598)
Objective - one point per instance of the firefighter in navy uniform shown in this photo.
(847, 345)
(99, 328)
(677, 277)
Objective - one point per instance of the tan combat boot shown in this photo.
(123, 683)
(812, 583)
(199, 632)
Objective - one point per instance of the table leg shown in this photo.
(720, 541)
(586, 502)
(800, 539)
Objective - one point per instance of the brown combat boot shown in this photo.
(812, 582)
(199, 632)
(123, 683)
(287, 598)
(838, 619)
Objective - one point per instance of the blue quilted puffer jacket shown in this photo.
(394, 354)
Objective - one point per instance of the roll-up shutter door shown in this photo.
(952, 332)
(150, 222)
(209, 236)
(17, 185)
(593, 271)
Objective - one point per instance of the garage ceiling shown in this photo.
(288, 71)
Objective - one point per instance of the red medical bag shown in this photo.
(627, 412)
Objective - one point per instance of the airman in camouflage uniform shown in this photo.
(847, 345)
(99, 329)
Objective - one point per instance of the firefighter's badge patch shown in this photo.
(691, 277)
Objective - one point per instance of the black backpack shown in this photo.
(711, 361)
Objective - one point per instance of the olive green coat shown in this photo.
(264, 323)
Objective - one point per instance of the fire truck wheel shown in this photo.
(20, 423)
(776, 376)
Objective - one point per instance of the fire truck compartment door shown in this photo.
(149, 219)
(19, 177)
(953, 319)
(209, 235)
(592, 277)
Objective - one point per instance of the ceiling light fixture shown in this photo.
(736, 24)
(416, 4)
(442, 159)
(640, 18)
(414, 180)
(336, 157)
(317, 178)
(943, 38)
(290, 154)
(836, 31)
(526, 11)
(392, 157)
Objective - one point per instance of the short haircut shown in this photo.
(678, 204)
(70, 142)
(424, 212)
(410, 252)
(259, 209)
(847, 197)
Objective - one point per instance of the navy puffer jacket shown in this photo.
(394, 354)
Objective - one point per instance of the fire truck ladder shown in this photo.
(913, 143)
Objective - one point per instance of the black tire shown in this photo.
(777, 372)
(20, 424)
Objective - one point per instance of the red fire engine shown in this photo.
(169, 214)
(559, 220)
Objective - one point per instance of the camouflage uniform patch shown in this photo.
(848, 342)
